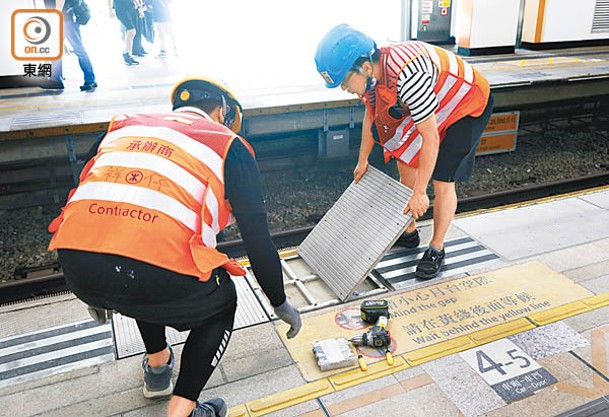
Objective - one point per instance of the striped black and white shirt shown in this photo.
(416, 80)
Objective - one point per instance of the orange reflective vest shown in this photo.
(154, 192)
(460, 89)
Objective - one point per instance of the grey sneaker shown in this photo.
(157, 381)
(215, 407)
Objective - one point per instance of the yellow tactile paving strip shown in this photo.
(377, 370)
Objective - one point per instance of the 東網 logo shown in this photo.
(36, 35)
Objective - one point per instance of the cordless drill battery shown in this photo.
(371, 310)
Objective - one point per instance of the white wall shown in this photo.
(564, 21)
(495, 23)
(568, 20)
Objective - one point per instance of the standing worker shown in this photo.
(138, 235)
(426, 107)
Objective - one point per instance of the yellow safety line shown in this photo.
(353, 377)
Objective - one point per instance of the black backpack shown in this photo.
(80, 10)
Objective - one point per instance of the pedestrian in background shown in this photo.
(128, 15)
(161, 14)
(138, 235)
(426, 107)
(71, 32)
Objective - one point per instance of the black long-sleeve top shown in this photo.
(243, 190)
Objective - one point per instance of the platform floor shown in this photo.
(271, 66)
(530, 359)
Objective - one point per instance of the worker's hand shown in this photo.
(360, 170)
(418, 205)
(288, 313)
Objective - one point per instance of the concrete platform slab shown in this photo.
(599, 199)
(41, 314)
(588, 272)
(549, 340)
(597, 285)
(574, 257)
(463, 386)
(552, 226)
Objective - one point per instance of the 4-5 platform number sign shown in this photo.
(508, 369)
(486, 363)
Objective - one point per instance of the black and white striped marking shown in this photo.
(50, 351)
(463, 254)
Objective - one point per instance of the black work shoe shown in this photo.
(88, 86)
(409, 240)
(430, 264)
(129, 59)
(215, 407)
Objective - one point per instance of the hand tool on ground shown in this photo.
(374, 312)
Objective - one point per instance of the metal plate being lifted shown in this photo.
(357, 231)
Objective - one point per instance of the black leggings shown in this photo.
(204, 347)
(156, 298)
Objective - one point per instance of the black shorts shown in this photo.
(126, 13)
(146, 292)
(458, 149)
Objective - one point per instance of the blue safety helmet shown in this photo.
(338, 51)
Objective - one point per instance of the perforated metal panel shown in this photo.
(357, 231)
(50, 119)
(129, 342)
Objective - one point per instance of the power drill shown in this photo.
(377, 337)
(375, 312)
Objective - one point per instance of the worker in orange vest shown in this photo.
(426, 107)
(138, 235)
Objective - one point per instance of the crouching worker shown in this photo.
(138, 235)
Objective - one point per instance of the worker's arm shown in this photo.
(365, 148)
(244, 192)
(419, 202)
(416, 92)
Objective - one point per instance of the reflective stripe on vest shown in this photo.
(159, 182)
(175, 173)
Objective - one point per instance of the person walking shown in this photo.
(128, 14)
(138, 235)
(161, 15)
(426, 107)
(71, 32)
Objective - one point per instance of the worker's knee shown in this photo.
(444, 189)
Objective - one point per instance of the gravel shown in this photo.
(300, 195)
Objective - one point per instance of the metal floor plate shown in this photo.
(129, 342)
(356, 232)
(463, 254)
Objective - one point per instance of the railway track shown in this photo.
(46, 280)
